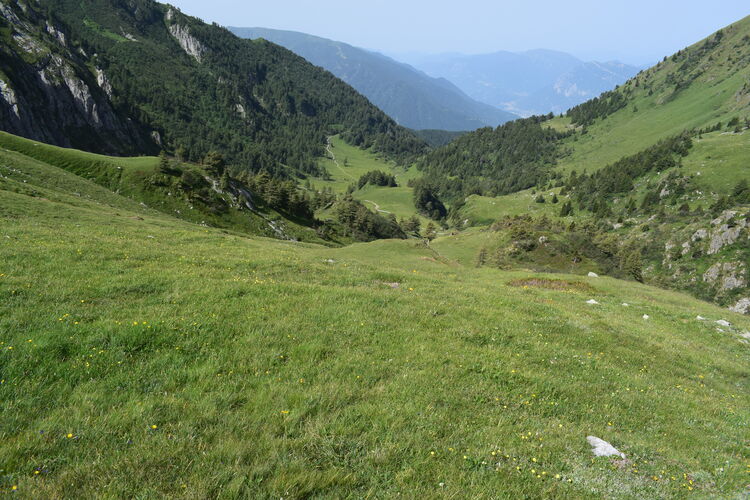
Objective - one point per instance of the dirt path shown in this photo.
(377, 207)
(329, 150)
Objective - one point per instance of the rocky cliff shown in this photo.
(52, 91)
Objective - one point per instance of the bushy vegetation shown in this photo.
(377, 178)
(546, 244)
(364, 225)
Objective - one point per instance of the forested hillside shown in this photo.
(492, 162)
(409, 96)
(119, 76)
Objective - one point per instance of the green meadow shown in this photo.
(351, 163)
(145, 356)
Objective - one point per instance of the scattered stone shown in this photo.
(601, 448)
(723, 322)
(592, 302)
(742, 306)
(646, 316)
(329, 261)
(543, 240)
(699, 235)
(593, 275)
(700, 318)
(625, 304)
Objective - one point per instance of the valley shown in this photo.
(225, 273)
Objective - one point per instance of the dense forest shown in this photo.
(492, 162)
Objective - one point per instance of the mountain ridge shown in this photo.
(525, 82)
(412, 98)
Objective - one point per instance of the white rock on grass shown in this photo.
(646, 316)
(592, 302)
(601, 448)
(700, 318)
(593, 275)
(723, 322)
(625, 304)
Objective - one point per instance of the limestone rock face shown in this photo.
(742, 306)
(726, 276)
(189, 43)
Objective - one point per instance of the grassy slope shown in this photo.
(130, 177)
(483, 210)
(396, 200)
(720, 160)
(148, 357)
(711, 98)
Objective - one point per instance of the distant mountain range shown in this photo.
(526, 83)
(409, 96)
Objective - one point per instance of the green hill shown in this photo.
(146, 356)
(698, 87)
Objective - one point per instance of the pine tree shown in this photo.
(214, 163)
(633, 265)
(164, 166)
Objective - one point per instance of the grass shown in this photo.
(484, 210)
(720, 160)
(144, 356)
(398, 201)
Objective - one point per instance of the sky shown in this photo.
(633, 31)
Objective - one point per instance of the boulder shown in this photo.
(601, 448)
(742, 306)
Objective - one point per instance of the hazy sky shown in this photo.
(633, 31)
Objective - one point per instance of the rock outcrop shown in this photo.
(49, 94)
(742, 306)
(189, 43)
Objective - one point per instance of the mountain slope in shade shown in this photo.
(412, 98)
(532, 82)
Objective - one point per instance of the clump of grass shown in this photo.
(552, 284)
